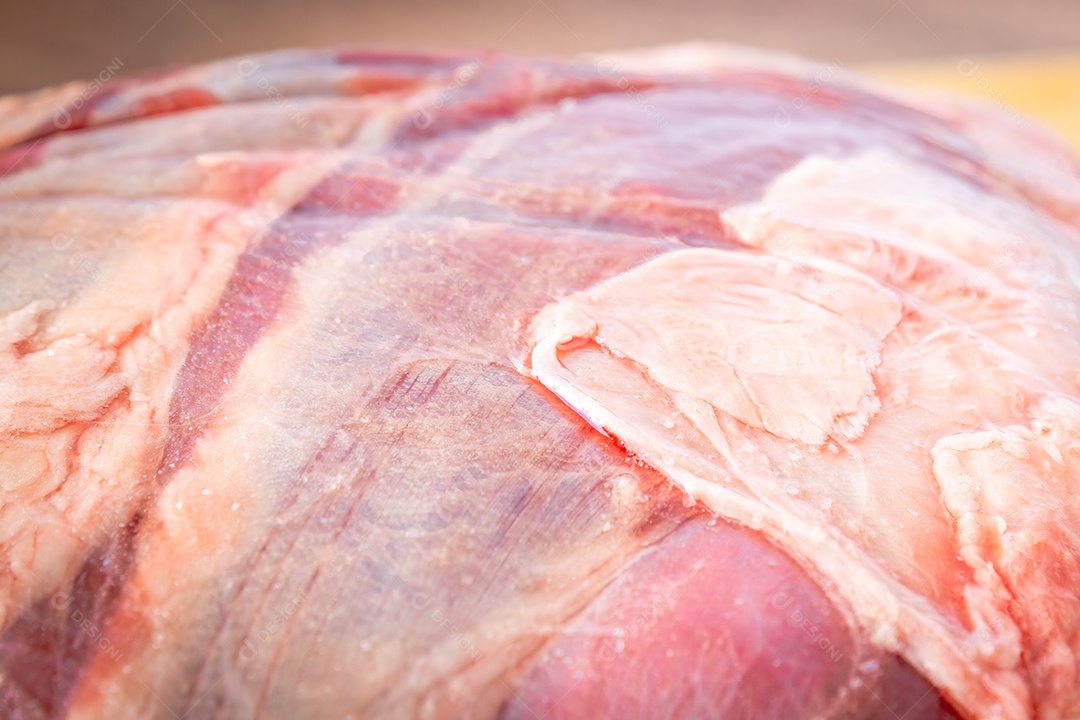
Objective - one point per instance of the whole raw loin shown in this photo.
(680, 383)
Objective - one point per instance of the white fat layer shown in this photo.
(889, 395)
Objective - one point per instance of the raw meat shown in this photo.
(680, 383)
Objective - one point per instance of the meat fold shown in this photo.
(677, 383)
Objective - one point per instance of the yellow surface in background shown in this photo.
(1046, 88)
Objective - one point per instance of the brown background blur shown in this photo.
(50, 42)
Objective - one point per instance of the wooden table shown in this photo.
(1047, 87)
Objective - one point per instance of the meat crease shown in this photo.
(376, 385)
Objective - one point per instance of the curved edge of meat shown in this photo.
(260, 319)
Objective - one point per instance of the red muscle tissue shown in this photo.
(679, 383)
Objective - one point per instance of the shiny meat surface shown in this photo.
(270, 443)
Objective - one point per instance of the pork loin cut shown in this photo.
(680, 383)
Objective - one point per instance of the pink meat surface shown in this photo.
(679, 383)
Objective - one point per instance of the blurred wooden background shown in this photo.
(49, 42)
